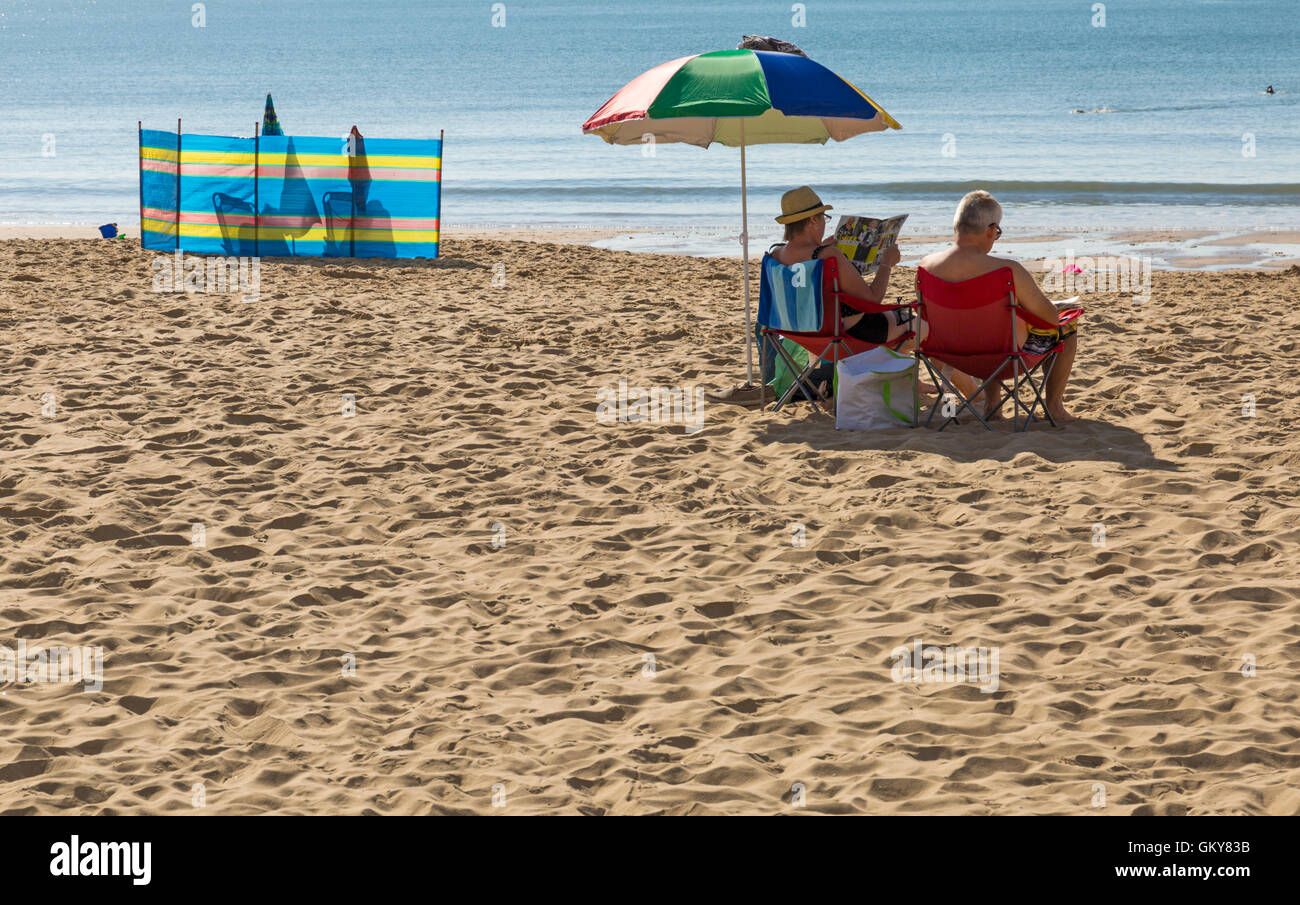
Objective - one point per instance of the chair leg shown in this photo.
(793, 368)
(1016, 370)
(965, 401)
(1050, 363)
(796, 386)
(935, 375)
(1025, 377)
(827, 402)
(1040, 389)
(1022, 377)
(916, 386)
(799, 384)
(922, 361)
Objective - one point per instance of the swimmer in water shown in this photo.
(1269, 90)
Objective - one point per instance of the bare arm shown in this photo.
(1031, 297)
(856, 286)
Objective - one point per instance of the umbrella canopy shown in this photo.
(739, 98)
(701, 99)
(270, 122)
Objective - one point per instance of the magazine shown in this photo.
(863, 238)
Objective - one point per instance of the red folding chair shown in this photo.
(973, 329)
(830, 343)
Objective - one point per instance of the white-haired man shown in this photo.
(976, 226)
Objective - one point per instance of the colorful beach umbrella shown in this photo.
(270, 122)
(739, 98)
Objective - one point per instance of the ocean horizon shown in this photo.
(1135, 123)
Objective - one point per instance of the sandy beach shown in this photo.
(362, 546)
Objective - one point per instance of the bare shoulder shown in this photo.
(1018, 270)
(1016, 267)
(831, 250)
(1026, 285)
(934, 259)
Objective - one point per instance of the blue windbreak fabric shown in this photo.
(158, 189)
(217, 195)
(291, 195)
(790, 298)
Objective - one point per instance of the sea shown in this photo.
(1086, 118)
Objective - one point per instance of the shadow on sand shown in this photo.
(378, 264)
(1079, 441)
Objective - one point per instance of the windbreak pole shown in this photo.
(442, 147)
(139, 130)
(178, 184)
(257, 207)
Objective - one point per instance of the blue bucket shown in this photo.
(108, 230)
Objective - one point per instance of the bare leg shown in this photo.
(964, 383)
(894, 330)
(897, 330)
(1060, 375)
(993, 403)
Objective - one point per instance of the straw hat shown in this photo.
(800, 204)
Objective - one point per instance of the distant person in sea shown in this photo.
(976, 226)
(1269, 90)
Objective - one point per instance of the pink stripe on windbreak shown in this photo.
(340, 173)
(211, 218)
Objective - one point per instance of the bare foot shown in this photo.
(926, 388)
(993, 408)
(824, 388)
(1060, 415)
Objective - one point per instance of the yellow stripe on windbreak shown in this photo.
(158, 226)
(167, 154)
(374, 160)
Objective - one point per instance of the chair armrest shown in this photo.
(867, 307)
(1063, 317)
(1034, 320)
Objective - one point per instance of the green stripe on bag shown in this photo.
(889, 404)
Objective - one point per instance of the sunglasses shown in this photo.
(998, 227)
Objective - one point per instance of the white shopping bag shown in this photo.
(875, 390)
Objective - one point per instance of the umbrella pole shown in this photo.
(744, 241)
